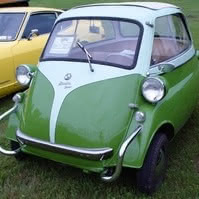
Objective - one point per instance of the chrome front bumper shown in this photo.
(97, 154)
(85, 153)
(16, 99)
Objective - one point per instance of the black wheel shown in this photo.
(15, 145)
(153, 171)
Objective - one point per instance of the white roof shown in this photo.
(141, 11)
(149, 5)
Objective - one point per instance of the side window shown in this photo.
(43, 22)
(171, 38)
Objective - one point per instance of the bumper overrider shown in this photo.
(17, 99)
(95, 154)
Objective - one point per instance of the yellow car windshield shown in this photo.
(9, 25)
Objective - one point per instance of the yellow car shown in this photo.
(23, 34)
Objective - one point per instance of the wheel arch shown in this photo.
(168, 129)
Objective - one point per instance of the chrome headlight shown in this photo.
(153, 89)
(23, 75)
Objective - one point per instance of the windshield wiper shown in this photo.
(88, 55)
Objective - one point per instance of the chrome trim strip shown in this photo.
(121, 154)
(85, 153)
(3, 151)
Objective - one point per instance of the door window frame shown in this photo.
(35, 13)
(186, 50)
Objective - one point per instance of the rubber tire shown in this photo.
(15, 145)
(147, 181)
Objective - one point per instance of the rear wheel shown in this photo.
(15, 145)
(153, 171)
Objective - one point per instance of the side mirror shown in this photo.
(166, 68)
(161, 69)
(33, 33)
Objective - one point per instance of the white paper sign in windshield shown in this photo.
(62, 45)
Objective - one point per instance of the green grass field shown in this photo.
(36, 178)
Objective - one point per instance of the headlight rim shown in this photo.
(163, 88)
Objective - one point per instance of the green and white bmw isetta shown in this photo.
(110, 91)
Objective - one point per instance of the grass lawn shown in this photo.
(36, 178)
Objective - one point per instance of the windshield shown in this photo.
(112, 42)
(9, 25)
